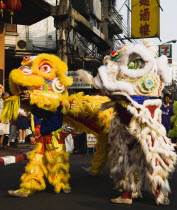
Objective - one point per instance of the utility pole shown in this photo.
(62, 23)
(2, 53)
(128, 19)
(105, 15)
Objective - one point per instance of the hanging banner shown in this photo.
(145, 19)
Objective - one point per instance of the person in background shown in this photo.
(13, 133)
(80, 143)
(167, 112)
(5, 126)
(22, 125)
(174, 93)
(1, 124)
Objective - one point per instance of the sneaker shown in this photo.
(66, 190)
(17, 193)
(23, 141)
(122, 200)
(19, 141)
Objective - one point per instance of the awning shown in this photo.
(31, 12)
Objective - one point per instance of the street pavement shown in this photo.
(88, 193)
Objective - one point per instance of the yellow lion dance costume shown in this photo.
(40, 85)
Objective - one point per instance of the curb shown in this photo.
(12, 159)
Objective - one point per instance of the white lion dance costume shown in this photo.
(141, 155)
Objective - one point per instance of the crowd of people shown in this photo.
(16, 131)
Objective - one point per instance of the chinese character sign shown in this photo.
(91, 141)
(77, 82)
(145, 20)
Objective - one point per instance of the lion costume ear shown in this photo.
(162, 69)
(151, 46)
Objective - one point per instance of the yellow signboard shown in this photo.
(145, 20)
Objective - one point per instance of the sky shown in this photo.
(168, 22)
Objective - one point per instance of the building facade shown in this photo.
(80, 32)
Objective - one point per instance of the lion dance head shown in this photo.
(44, 76)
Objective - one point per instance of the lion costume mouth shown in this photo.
(53, 85)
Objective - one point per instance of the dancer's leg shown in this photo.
(58, 165)
(33, 178)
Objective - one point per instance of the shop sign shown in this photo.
(91, 141)
(145, 19)
(77, 82)
(165, 49)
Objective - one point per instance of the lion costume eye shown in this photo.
(45, 68)
(57, 86)
(25, 69)
(136, 64)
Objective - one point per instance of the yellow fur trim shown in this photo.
(54, 179)
(59, 167)
(17, 77)
(100, 156)
(46, 99)
(32, 182)
(60, 186)
(33, 178)
(59, 182)
(36, 150)
(88, 107)
(11, 107)
(23, 190)
(57, 156)
(35, 167)
(54, 141)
